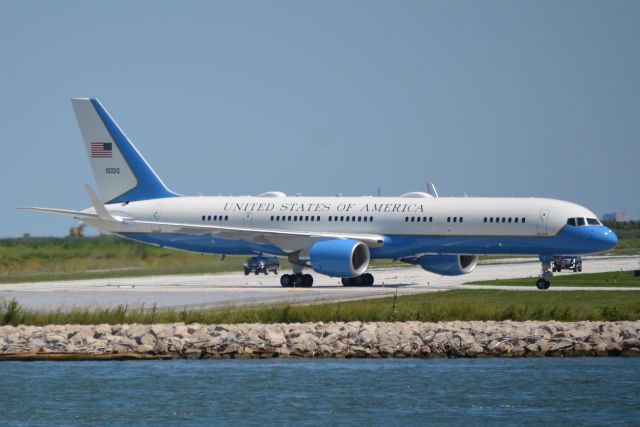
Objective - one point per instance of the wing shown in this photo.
(290, 241)
(287, 240)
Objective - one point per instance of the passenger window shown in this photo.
(461, 218)
(581, 221)
(289, 218)
(311, 218)
(365, 219)
(271, 217)
(509, 221)
(485, 219)
(353, 219)
(418, 219)
(329, 218)
(370, 219)
(359, 218)
(413, 218)
(318, 218)
(455, 219)
(448, 219)
(203, 217)
(430, 219)
(406, 219)
(209, 218)
(341, 218)
(523, 220)
(571, 221)
(347, 219)
(516, 220)
(491, 219)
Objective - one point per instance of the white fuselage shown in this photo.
(445, 216)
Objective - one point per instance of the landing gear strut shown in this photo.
(365, 279)
(298, 280)
(544, 282)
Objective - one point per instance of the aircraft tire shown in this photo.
(543, 284)
(307, 280)
(286, 280)
(367, 279)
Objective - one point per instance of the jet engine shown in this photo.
(340, 258)
(449, 265)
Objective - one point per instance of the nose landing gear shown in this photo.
(543, 282)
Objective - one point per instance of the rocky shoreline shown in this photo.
(328, 340)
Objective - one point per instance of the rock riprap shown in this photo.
(340, 339)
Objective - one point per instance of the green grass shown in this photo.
(627, 246)
(605, 280)
(49, 258)
(431, 307)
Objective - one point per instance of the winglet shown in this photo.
(101, 211)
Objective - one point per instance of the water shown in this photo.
(322, 392)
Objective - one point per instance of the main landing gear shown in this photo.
(543, 282)
(300, 280)
(296, 280)
(365, 279)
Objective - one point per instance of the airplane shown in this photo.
(334, 236)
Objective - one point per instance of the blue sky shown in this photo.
(500, 98)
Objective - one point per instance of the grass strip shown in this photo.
(604, 280)
(431, 307)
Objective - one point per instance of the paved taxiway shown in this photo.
(235, 288)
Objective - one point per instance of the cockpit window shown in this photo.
(583, 221)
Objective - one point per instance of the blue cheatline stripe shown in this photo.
(149, 185)
(570, 241)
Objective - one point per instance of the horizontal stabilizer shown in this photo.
(63, 212)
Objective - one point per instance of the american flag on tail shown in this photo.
(101, 149)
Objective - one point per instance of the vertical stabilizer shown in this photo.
(121, 173)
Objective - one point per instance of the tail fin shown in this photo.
(122, 174)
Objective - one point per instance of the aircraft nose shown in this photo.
(607, 238)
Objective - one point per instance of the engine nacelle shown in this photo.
(340, 258)
(449, 265)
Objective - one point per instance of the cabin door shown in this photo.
(157, 213)
(543, 220)
(247, 220)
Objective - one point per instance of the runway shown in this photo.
(212, 290)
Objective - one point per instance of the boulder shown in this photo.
(303, 344)
(272, 335)
(162, 331)
(102, 331)
(147, 339)
(137, 331)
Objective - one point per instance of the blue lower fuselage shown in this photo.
(569, 241)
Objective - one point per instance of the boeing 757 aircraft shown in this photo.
(335, 236)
